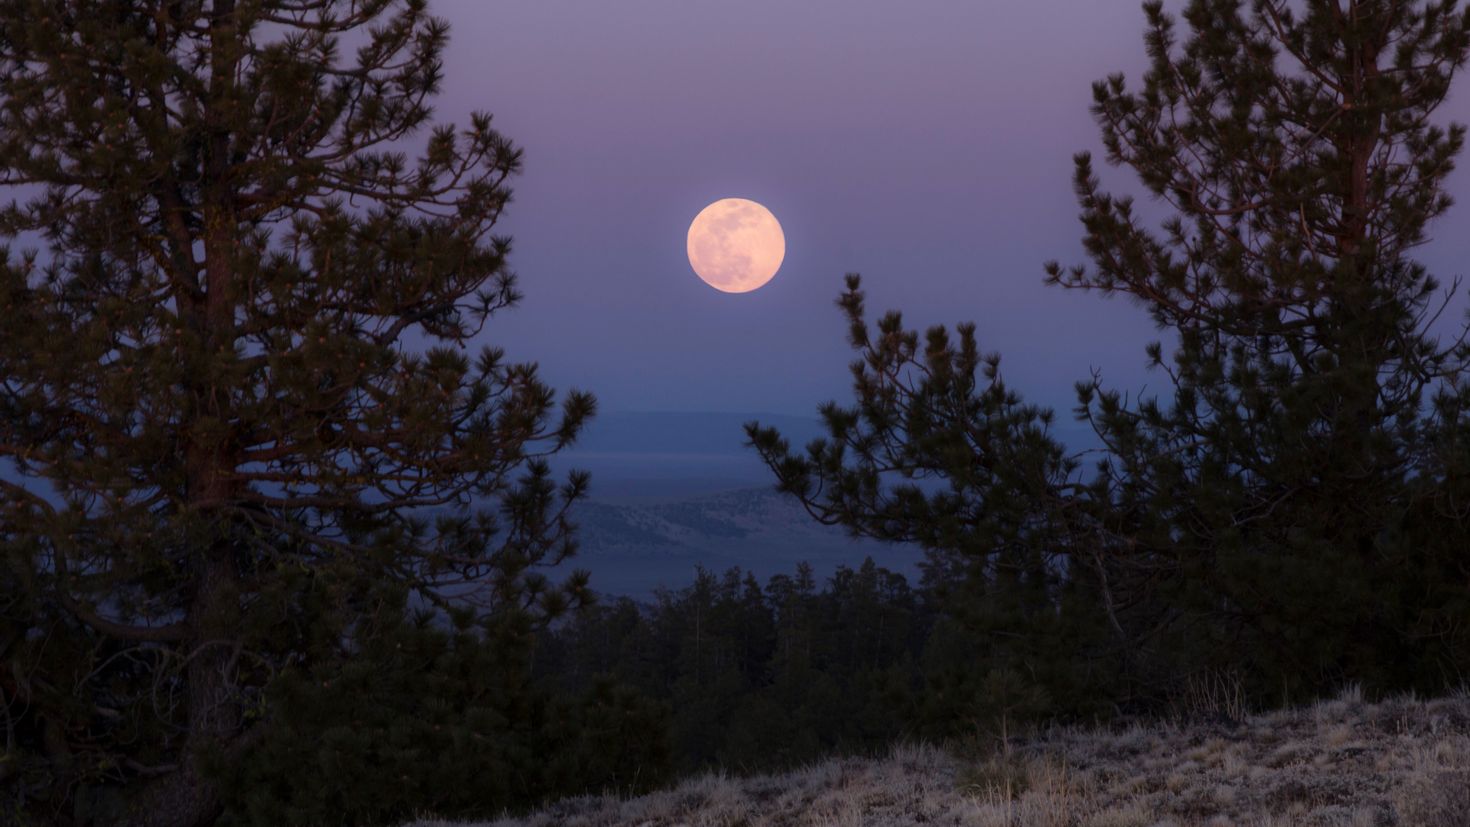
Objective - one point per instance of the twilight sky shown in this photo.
(924, 143)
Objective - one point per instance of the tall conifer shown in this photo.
(1279, 504)
(1293, 508)
(233, 316)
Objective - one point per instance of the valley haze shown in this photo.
(675, 491)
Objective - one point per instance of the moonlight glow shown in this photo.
(736, 245)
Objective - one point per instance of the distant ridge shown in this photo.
(648, 456)
(678, 432)
(639, 457)
(634, 548)
(717, 432)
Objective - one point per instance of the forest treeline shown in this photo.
(758, 675)
(277, 548)
(725, 673)
(762, 676)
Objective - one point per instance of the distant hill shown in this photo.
(672, 491)
(632, 548)
(648, 456)
(670, 432)
(652, 456)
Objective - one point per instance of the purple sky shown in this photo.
(925, 143)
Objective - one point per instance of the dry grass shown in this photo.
(1401, 763)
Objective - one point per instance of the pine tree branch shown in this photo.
(167, 633)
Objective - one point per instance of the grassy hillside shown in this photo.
(1401, 763)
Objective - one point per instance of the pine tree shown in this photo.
(423, 718)
(1291, 511)
(938, 451)
(1283, 506)
(232, 323)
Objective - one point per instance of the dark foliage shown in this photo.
(233, 379)
(1293, 513)
(1289, 508)
(767, 677)
(418, 718)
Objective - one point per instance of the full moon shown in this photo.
(736, 245)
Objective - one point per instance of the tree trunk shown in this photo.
(189, 797)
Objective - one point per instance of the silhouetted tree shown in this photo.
(758, 677)
(1285, 506)
(231, 375)
(1292, 511)
(938, 451)
(422, 718)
